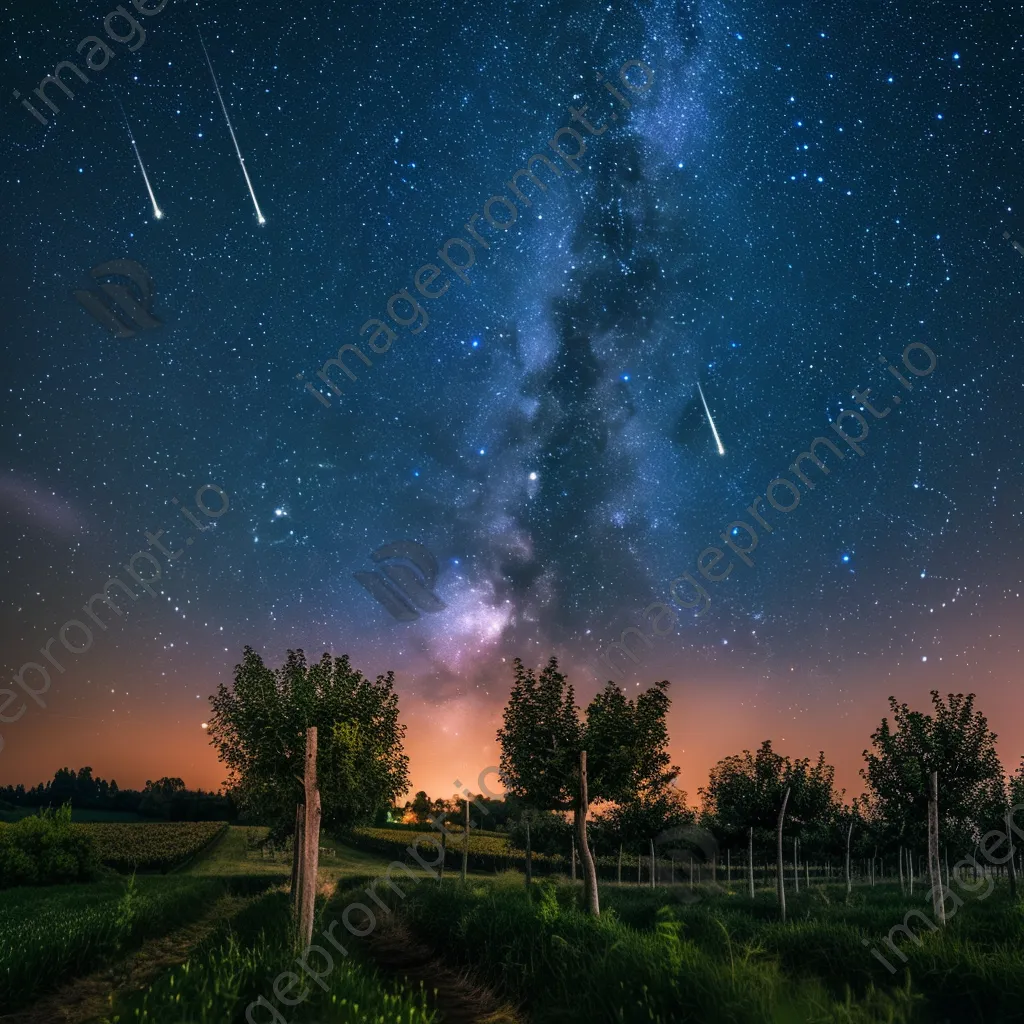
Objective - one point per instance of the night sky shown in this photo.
(791, 198)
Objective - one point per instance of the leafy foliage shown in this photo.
(626, 741)
(46, 849)
(746, 790)
(957, 743)
(259, 729)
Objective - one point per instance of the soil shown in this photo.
(453, 994)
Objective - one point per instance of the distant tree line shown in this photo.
(166, 798)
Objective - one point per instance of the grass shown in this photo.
(707, 954)
(53, 932)
(239, 964)
(236, 852)
(655, 956)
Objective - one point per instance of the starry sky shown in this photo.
(793, 198)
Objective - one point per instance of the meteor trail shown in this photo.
(157, 212)
(231, 129)
(718, 440)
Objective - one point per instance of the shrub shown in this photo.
(46, 850)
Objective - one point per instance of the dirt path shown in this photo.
(451, 992)
(89, 998)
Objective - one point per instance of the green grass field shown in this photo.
(215, 934)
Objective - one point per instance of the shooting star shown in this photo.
(1016, 245)
(157, 212)
(231, 129)
(718, 440)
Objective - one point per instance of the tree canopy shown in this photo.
(746, 790)
(259, 729)
(955, 742)
(626, 741)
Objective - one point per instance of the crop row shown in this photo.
(149, 846)
(248, 961)
(64, 930)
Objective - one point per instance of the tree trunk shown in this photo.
(871, 868)
(620, 863)
(934, 865)
(638, 858)
(796, 870)
(311, 843)
(782, 881)
(300, 828)
(589, 868)
(1011, 867)
(945, 856)
(465, 842)
(903, 887)
(574, 859)
(750, 859)
(728, 867)
(653, 882)
(910, 869)
(529, 855)
(849, 833)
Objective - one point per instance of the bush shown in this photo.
(46, 850)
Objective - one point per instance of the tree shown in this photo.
(259, 729)
(746, 791)
(554, 760)
(956, 743)
(422, 806)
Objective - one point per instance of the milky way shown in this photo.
(799, 193)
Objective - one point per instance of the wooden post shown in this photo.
(796, 869)
(465, 841)
(311, 843)
(653, 882)
(444, 852)
(672, 868)
(1011, 867)
(638, 869)
(691, 872)
(728, 868)
(849, 833)
(750, 859)
(529, 854)
(782, 882)
(300, 827)
(620, 864)
(934, 866)
(807, 873)
(589, 867)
